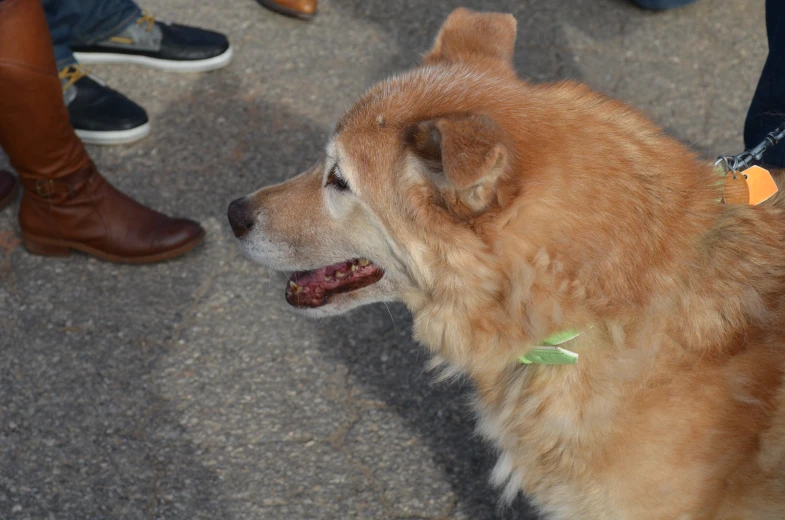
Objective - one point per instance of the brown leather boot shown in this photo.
(304, 9)
(8, 188)
(66, 204)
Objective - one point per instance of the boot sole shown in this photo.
(8, 199)
(56, 247)
(114, 136)
(216, 62)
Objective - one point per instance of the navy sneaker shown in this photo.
(154, 43)
(99, 114)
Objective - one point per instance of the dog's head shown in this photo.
(419, 161)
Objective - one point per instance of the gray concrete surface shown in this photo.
(188, 390)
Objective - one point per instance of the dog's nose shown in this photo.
(240, 217)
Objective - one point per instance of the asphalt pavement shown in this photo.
(188, 390)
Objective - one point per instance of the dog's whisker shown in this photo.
(395, 327)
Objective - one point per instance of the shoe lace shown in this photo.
(147, 18)
(72, 73)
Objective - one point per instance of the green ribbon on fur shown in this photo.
(549, 353)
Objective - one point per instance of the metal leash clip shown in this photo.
(742, 161)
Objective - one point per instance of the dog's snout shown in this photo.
(240, 217)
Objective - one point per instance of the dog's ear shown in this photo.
(468, 33)
(465, 154)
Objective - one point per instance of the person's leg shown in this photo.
(767, 110)
(61, 17)
(66, 204)
(662, 5)
(98, 114)
(87, 21)
(102, 18)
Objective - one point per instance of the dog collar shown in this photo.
(550, 353)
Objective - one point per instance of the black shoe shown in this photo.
(99, 114)
(160, 45)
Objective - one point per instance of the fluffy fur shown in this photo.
(503, 211)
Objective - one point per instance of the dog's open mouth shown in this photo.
(314, 288)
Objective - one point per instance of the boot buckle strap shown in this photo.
(66, 185)
(49, 187)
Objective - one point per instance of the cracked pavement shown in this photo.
(188, 390)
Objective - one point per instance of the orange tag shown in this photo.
(760, 184)
(736, 190)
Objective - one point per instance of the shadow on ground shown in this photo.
(85, 430)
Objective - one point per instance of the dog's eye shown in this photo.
(336, 180)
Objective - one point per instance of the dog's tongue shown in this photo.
(313, 288)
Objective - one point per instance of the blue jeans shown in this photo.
(767, 110)
(85, 22)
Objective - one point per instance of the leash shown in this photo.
(733, 163)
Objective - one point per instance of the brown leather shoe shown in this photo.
(8, 188)
(66, 204)
(304, 9)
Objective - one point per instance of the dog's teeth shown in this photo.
(340, 274)
(354, 267)
(293, 285)
(328, 278)
(364, 262)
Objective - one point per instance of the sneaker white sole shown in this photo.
(216, 62)
(115, 136)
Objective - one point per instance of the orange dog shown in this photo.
(502, 212)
